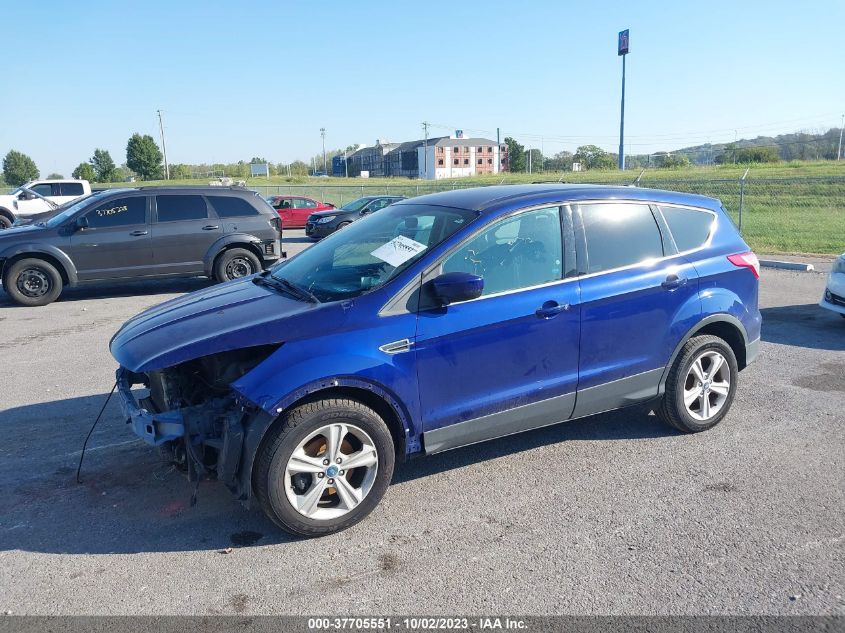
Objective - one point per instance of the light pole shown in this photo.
(323, 135)
(622, 50)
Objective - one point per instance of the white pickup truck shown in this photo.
(39, 196)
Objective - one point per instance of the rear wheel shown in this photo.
(701, 385)
(235, 263)
(324, 466)
(32, 282)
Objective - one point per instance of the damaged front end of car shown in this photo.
(192, 414)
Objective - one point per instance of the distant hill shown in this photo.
(795, 146)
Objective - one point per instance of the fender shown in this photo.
(713, 318)
(260, 423)
(224, 241)
(36, 249)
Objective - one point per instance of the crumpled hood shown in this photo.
(229, 316)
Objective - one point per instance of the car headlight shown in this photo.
(326, 219)
(839, 265)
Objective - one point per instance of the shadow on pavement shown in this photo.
(106, 290)
(808, 325)
(131, 502)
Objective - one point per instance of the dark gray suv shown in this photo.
(142, 233)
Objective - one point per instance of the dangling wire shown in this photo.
(88, 437)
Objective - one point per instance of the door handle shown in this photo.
(551, 309)
(138, 233)
(673, 281)
(211, 227)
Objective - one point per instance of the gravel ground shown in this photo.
(613, 514)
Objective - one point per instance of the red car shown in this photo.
(294, 210)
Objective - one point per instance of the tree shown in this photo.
(18, 168)
(516, 155)
(672, 161)
(180, 172)
(84, 171)
(103, 165)
(144, 157)
(562, 161)
(593, 157)
(55, 176)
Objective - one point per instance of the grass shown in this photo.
(796, 207)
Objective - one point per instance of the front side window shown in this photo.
(119, 212)
(690, 228)
(619, 235)
(45, 189)
(518, 252)
(368, 253)
(231, 206)
(172, 208)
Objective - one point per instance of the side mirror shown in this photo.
(24, 195)
(451, 287)
(81, 223)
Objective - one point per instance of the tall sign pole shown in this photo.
(622, 50)
(163, 147)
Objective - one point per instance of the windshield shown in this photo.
(356, 205)
(368, 253)
(69, 208)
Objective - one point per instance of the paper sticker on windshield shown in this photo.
(398, 250)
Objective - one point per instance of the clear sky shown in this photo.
(242, 79)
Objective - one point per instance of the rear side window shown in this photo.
(231, 207)
(120, 212)
(171, 208)
(72, 189)
(619, 235)
(690, 228)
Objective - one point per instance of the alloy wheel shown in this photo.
(707, 385)
(331, 471)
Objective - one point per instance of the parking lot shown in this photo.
(610, 514)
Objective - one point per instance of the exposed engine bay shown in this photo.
(190, 412)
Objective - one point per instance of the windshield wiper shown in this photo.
(284, 285)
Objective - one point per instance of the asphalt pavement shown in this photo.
(613, 514)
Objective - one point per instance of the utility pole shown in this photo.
(323, 135)
(425, 125)
(622, 50)
(163, 147)
(498, 152)
(839, 151)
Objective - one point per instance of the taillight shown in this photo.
(746, 260)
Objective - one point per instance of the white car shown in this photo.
(39, 196)
(834, 294)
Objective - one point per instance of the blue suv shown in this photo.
(438, 322)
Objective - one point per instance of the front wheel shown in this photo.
(324, 466)
(701, 385)
(5, 222)
(32, 282)
(234, 264)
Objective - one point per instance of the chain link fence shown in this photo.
(775, 215)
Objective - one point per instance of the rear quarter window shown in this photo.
(690, 227)
(232, 207)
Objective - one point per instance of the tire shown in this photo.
(5, 222)
(341, 225)
(32, 282)
(283, 493)
(234, 264)
(707, 405)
